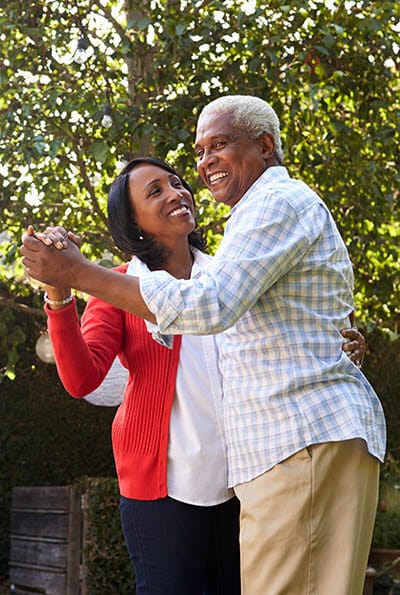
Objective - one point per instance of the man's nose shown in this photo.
(207, 158)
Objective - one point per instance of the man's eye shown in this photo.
(199, 154)
(220, 143)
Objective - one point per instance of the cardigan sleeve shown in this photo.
(85, 352)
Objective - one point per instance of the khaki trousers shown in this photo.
(306, 525)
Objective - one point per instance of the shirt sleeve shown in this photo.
(110, 392)
(261, 244)
(84, 353)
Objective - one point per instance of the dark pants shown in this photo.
(181, 549)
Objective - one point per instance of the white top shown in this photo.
(111, 391)
(197, 470)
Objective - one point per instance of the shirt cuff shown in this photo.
(164, 340)
(62, 319)
(160, 291)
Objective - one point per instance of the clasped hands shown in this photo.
(52, 256)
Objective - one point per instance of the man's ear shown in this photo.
(267, 145)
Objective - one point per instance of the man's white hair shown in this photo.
(251, 114)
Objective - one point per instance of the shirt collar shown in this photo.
(270, 175)
(138, 268)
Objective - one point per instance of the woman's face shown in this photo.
(161, 206)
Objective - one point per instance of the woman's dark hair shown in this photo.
(126, 234)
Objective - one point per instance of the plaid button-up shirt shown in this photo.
(280, 287)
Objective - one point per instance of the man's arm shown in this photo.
(70, 268)
(261, 249)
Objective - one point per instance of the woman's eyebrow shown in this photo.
(152, 182)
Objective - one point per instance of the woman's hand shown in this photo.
(55, 297)
(355, 345)
(56, 236)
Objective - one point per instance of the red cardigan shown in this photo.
(141, 425)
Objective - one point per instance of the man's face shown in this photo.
(228, 161)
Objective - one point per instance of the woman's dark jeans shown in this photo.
(181, 549)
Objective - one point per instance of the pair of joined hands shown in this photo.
(34, 258)
(58, 268)
(42, 256)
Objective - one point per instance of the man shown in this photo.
(304, 429)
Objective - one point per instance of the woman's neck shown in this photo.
(179, 262)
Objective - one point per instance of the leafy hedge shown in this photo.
(382, 368)
(387, 524)
(107, 565)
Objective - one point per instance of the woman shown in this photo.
(179, 520)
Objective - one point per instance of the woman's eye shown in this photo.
(154, 192)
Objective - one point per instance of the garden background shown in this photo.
(87, 85)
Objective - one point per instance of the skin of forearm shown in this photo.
(115, 288)
(57, 294)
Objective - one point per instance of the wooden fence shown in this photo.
(48, 530)
(46, 537)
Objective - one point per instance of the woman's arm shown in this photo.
(83, 356)
(84, 352)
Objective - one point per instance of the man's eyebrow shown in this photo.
(227, 135)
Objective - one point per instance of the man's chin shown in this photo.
(219, 196)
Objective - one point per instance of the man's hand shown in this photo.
(355, 346)
(46, 263)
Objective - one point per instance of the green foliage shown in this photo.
(387, 584)
(387, 524)
(387, 529)
(386, 534)
(329, 69)
(9, 343)
(382, 368)
(107, 564)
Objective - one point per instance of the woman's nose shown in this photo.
(174, 194)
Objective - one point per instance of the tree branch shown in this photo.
(88, 185)
(107, 13)
(14, 305)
